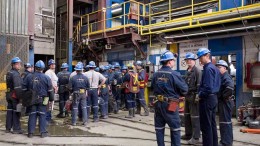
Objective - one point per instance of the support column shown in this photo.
(70, 26)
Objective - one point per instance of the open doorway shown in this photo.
(44, 58)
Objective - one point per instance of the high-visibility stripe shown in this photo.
(175, 129)
(159, 128)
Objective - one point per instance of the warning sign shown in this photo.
(193, 47)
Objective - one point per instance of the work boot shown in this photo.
(193, 141)
(7, 131)
(44, 134)
(138, 110)
(131, 111)
(146, 111)
(30, 135)
(60, 115)
(185, 137)
(18, 131)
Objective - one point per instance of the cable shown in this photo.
(255, 44)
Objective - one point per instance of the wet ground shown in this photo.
(117, 130)
(60, 127)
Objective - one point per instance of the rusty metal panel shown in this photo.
(14, 16)
(12, 46)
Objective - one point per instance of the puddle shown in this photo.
(59, 128)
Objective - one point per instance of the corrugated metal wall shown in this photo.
(14, 16)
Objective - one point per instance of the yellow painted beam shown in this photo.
(203, 24)
(2, 86)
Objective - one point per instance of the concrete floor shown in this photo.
(115, 131)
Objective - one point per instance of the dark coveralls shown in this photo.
(24, 75)
(170, 84)
(208, 90)
(115, 90)
(111, 103)
(63, 81)
(130, 97)
(122, 90)
(140, 95)
(42, 85)
(78, 85)
(104, 95)
(13, 82)
(191, 110)
(226, 104)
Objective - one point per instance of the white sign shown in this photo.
(193, 47)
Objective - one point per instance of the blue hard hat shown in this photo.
(97, 69)
(28, 65)
(139, 63)
(202, 51)
(167, 56)
(16, 60)
(107, 67)
(222, 63)
(190, 55)
(117, 65)
(64, 65)
(124, 67)
(92, 64)
(112, 67)
(102, 68)
(50, 62)
(79, 66)
(40, 64)
(87, 67)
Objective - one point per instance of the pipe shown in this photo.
(255, 131)
(211, 32)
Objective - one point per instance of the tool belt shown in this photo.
(80, 91)
(104, 86)
(173, 103)
(167, 99)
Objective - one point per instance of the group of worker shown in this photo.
(203, 92)
(93, 88)
(90, 91)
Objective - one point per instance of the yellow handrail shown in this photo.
(147, 8)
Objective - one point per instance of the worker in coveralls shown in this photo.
(42, 92)
(140, 96)
(225, 105)
(168, 86)
(131, 89)
(94, 79)
(115, 85)
(54, 79)
(121, 79)
(14, 88)
(28, 70)
(63, 82)
(104, 93)
(79, 108)
(78, 85)
(191, 110)
(75, 72)
(208, 90)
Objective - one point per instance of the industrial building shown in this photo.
(127, 30)
(124, 31)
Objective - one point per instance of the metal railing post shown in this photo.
(170, 10)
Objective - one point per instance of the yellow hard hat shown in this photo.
(130, 66)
